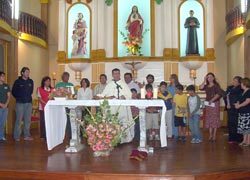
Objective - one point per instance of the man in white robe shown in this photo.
(118, 89)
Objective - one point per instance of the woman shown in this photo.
(135, 23)
(244, 112)
(233, 95)
(174, 81)
(84, 93)
(43, 94)
(212, 110)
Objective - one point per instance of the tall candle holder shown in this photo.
(54, 78)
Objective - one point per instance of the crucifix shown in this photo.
(133, 70)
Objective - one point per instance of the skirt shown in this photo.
(212, 116)
(244, 123)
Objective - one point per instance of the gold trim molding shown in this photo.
(234, 34)
(210, 54)
(33, 39)
(7, 28)
(44, 1)
(171, 54)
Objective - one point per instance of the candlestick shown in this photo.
(143, 93)
(155, 93)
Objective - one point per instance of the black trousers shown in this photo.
(42, 125)
(232, 126)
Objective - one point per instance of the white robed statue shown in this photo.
(118, 89)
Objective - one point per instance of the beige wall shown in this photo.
(30, 55)
(236, 59)
(219, 41)
(31, 6)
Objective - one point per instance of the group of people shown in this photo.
(182, 108)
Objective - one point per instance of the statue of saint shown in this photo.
(79, 36)
(192, 24)
(135, 24)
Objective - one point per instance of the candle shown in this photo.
(155, 93)
(143, 93)
(72, 89)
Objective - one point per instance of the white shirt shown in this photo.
(192, 102)
(84, 94)
(133, 85)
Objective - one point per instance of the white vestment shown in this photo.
(125, 115)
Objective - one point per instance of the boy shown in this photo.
(194, 103)
(152, 116)
(180, 102)
(135, 115)
(167, 97)
(4, 101)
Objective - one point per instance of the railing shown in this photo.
(6, 11)
(32, 25)
(234, 19)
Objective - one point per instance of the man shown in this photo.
(131, 84)
(22, 91)
(64, 84)
(118, 89)
(4, 101)
(65, 81)
(100, 87)
(192, 23)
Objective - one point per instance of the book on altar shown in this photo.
(206, 103)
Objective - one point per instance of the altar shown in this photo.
(55, 118)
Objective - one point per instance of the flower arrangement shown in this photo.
(60, 92)
(103, 130)
(133, 44)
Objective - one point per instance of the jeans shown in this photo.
(174, 129)
(194, 124)
(3, 118)
(23, 112)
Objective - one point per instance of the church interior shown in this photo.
(89, 38)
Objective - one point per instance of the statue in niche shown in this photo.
(135, 24)
(79, 37)
(192, 23)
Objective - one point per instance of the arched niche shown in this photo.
(78, 31)
(186, 34)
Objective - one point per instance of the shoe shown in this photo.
(28, 139)
(3, 139)
(157, 137)
(245, 145)
(193, 141)
(17, 140)
(183, 139)
(231, 142)
(198, 141)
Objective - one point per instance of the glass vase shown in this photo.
(103, 153)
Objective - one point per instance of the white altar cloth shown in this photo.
(56, 119)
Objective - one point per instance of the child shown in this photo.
(167, 97)
(152, 116)
(180, 102)
(194, 103)
(135, 114)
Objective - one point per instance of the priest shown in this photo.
(118, 89)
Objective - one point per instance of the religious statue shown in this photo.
(135, 24)
(79, 36)
(192, 23)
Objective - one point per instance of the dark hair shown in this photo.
(175, 77)
(163, 83)
(128, 74)
(45, 78)
(191, 11)
(148, 86)
(65, 74)
(246, 82)
(116, 69)
(191, 88)
(179, 87)
(150, 75)
(212, 74)
(238, 78)
(2, 73)
(103, 75)
(133, 90)
(23, 70)
(86, 81)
